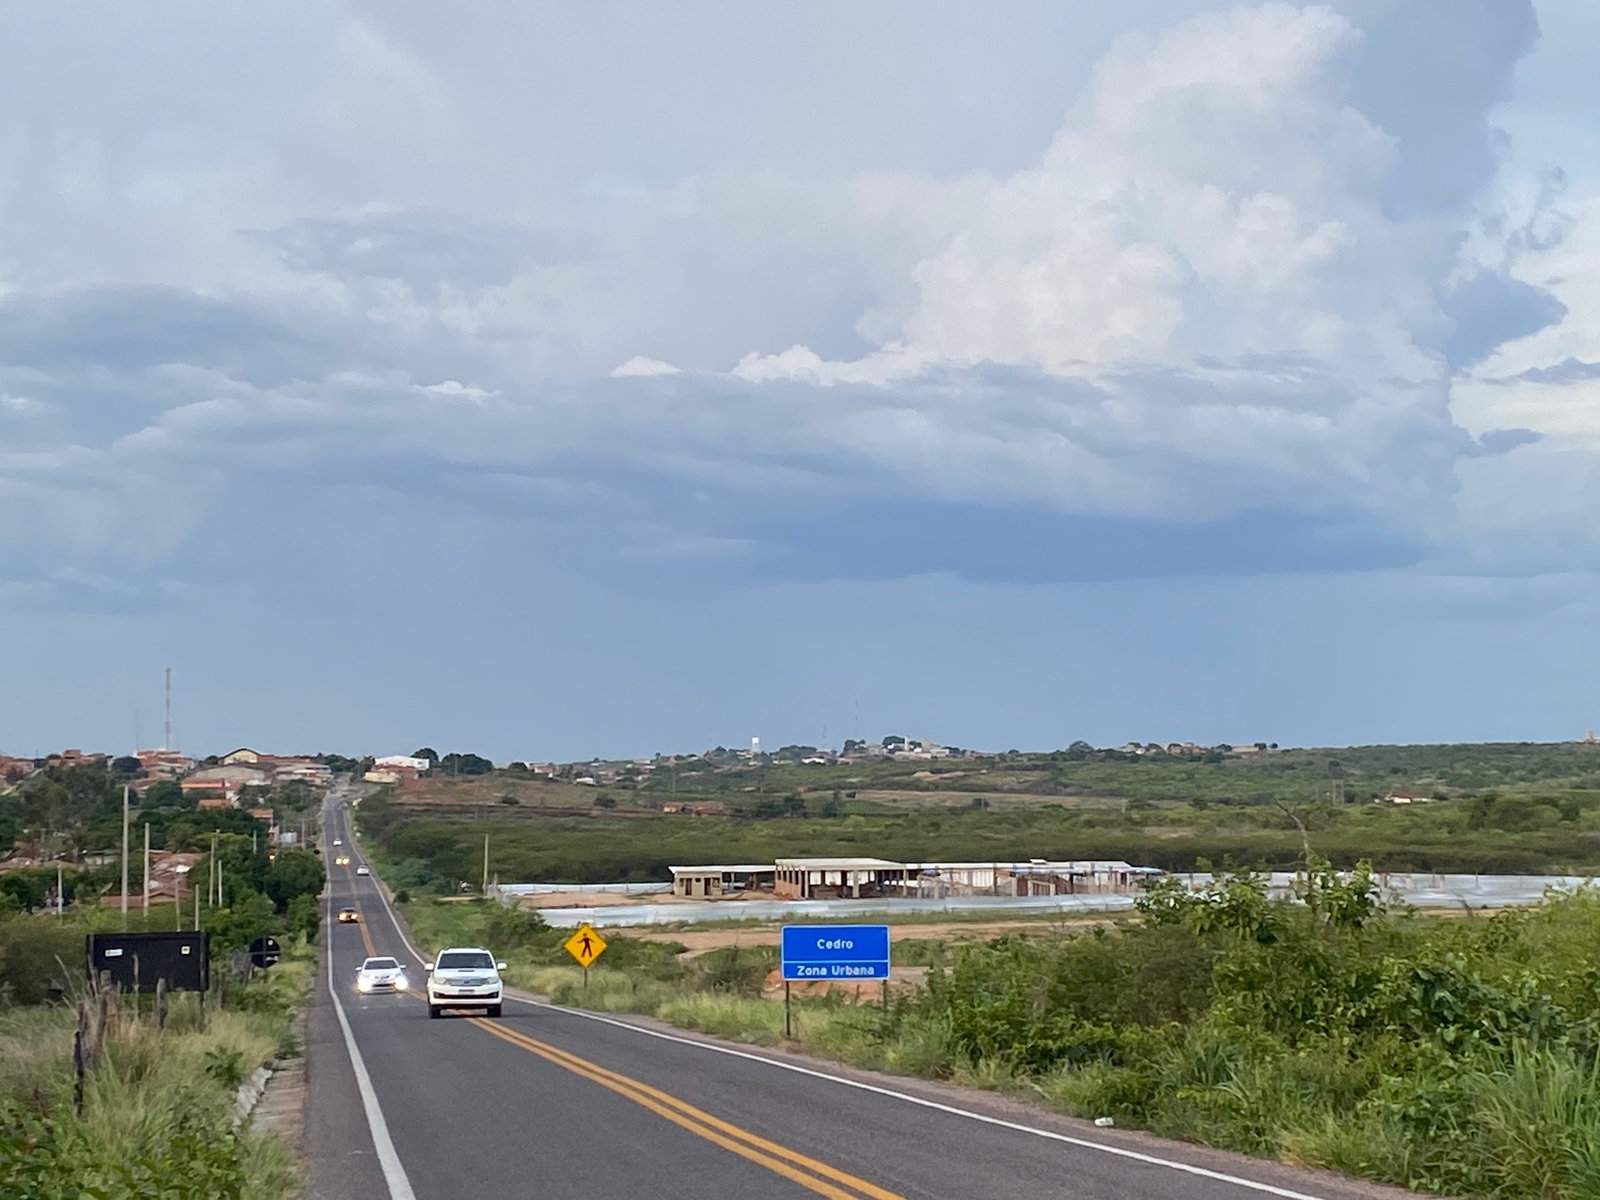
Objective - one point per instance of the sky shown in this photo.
(548, 381)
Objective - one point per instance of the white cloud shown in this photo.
(454, 389)
(640, 367)
(1211, 196)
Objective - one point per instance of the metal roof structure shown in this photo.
(840, 864)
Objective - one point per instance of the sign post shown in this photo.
(832, 953)
(585, 945)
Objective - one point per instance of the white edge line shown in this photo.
(984, 1118)
(394, 1175)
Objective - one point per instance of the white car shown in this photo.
(464, 977)
(381, 975)
(362, 870)
(338, 841)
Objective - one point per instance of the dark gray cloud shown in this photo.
(1502, 441)
(1568, 370)
(1491, 309)
(1429, 74)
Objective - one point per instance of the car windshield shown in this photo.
(469, 960)
(379, 964)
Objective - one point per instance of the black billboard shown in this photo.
(136, 961)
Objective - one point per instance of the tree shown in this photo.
(303, 917)
(248, 916)
(293, 874)
(463, 764)
(165, 793)
(427, 752)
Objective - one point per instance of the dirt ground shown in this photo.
(702, 941)
(960, 796)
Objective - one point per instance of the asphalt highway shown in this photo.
(551, 1103)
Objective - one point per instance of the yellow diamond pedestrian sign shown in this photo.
(585, 945)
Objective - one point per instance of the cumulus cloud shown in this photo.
(1214, 305)
(1205, 249)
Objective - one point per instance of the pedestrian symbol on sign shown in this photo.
(585, 945)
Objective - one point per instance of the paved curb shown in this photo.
(249, 1093)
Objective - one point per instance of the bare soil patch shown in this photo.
(942, 797)
(702, 941)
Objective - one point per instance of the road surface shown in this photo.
(551, 1103)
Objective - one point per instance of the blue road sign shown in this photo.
(836, 952)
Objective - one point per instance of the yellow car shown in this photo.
(349, 916)
(342, 861)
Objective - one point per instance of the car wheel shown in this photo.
(433, 1011)
(494, 1010)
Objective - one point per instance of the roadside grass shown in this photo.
(159, 1108)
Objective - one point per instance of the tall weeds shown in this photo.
(158, 1117)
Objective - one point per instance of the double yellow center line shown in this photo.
(815, 1176)
(809, 1173)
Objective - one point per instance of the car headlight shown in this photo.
(363, 985)
(399, 983)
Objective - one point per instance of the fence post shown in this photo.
(104, 1018)
(79, 1057)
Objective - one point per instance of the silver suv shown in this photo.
(465, 977)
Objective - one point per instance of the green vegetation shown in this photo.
(1518, 834)
(1454, 1056)
(157, 1116)
(1498, 808)
(1357, 773)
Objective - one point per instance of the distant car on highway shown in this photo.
(465, 977)
(342, 861)
(349, 916)
(381, 975)
(362, 870)
(338, 841)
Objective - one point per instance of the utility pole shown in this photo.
(166, 740)
(486, 864)
(61, 896)
(124, 856)
(145, 878)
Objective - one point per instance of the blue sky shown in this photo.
(549, 382)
